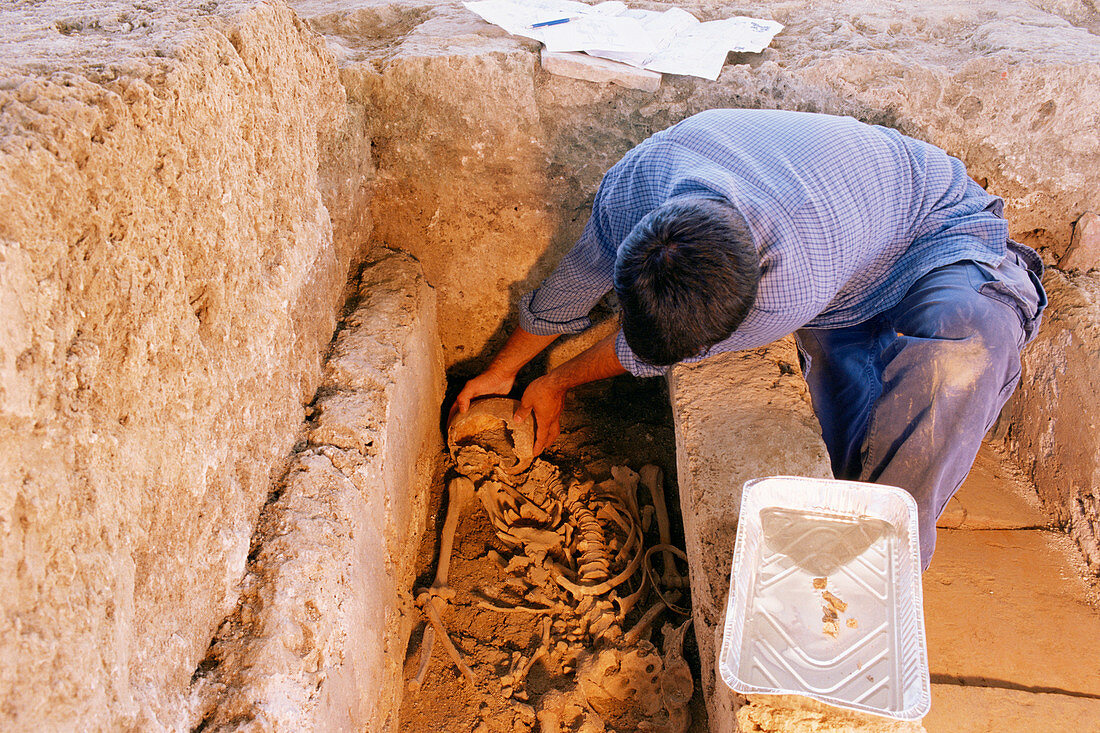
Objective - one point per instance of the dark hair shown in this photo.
(685, 276)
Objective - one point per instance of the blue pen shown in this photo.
(545, 23)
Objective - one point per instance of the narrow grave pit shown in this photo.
(561, 602)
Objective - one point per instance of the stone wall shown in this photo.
(738, 417)
(1053, 418)
(319, 638)
(169, 282)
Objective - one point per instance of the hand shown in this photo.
(489, 382)
(545, 399)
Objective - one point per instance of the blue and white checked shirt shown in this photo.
(845, 217)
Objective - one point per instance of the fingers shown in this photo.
(461, 403)
(546, 437)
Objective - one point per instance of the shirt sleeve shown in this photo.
(562, 303)
(631, 362)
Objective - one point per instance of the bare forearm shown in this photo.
(545, 396)
(594, 363)
(520, 348)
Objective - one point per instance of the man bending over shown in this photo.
(734, 228)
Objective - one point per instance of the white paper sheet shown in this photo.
(662, 29)
(701, 50)
(672, 42)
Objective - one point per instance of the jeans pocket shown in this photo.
(1015, 285)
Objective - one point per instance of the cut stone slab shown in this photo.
(794, 714)
(953, 709)
(581, 66)
(317, 642)
(994, 496)
(1007, 608)
(740, 416)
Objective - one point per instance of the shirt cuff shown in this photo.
(538, 326)
(631, 362)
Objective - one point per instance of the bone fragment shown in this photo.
(426, 645)
(677, 685)
(549, 713)
(642, 627)
(514, 609)
(628, 486)
(460, 491)
(836, 603)
(429, 608)
(653, 479)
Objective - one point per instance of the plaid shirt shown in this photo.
(845, 218)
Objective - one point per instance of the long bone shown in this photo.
(677, 685)
(631, 638)
(427, 602)
(653, 479)
(459, 491)
(628, 486)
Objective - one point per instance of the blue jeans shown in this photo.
(906, 397)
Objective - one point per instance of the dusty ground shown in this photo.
(624, 421)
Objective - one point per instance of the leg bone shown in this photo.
(459, 491)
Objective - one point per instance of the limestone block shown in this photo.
(581, 66)
(462, 165)
(1053, 433)
(169, 283)
(1084, 249)
(318, 641)
(738, 416)
(794, 714)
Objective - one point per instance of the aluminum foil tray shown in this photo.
(808, 549)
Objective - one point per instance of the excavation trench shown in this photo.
(543, 654)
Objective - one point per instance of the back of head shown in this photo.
(685, 276)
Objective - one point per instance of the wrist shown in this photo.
(502, 373)
(556, 381)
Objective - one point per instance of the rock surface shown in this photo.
(1012, 88)
(577, 65)
(1053, 433)
(1084, 247)
(184, 188)
(324, 614)
(169, 283)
